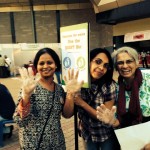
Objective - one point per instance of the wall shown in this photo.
(23, 27)
(100, 35)
(5, 32)
(131, 26)
(46, 29)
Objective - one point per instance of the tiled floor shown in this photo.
(67, 126)
(14, 85)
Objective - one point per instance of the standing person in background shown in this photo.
(8, 61)
(7, 108)
(7, 64)
(41, 103)
(3, 70)
(144, 59)
(95, 133)
(32, 67)
(133, 103)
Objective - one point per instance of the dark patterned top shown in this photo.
(43, 103)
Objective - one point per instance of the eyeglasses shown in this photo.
(128, 62)
(100, 62)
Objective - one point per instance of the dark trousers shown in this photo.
(3, 72)
(144, 62)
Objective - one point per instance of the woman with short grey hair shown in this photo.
(133, 101)
(132, 52)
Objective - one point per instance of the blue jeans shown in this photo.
(110, 144)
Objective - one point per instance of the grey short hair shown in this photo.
(131, 51)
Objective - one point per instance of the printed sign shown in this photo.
(75, 50)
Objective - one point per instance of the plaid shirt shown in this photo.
(92, 128)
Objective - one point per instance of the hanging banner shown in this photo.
(137, 36)
(75, 50)
(31, 46)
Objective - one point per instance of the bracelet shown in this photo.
(21, 103)
(23, 110)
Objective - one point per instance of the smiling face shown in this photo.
(46, 66)
(99, 66)
(126, 65)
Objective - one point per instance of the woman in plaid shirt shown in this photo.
(96, 134)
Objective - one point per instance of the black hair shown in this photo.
(49, 51)
(108, 77)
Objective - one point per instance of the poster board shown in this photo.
(75, 51)
(134, 137)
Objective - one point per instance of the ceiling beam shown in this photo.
(123, 14)
(105, 5)
(47, 7)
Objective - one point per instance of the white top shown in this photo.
(8, 62)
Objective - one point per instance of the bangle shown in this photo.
(21, 103)
(23, 110)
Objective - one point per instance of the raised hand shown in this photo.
(72, 83)
(29, 81)
(105, 115)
